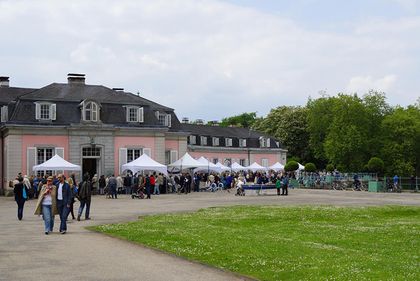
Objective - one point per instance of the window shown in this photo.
(4, 113)
(242, 142)
(215, 141)
(45, 111)
(264, 142)
(203, 140)
(264, 162)
(135, 114)
(215, 160)
(228, 141)
(93, 152)
(42, 155)
(90, 111)
(192, 139)
(133, 153)
(242, 162)
(228, 162)
(164, 119)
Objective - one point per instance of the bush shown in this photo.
(329, 168)
(310, 167)
(291, 166)
(376, 165)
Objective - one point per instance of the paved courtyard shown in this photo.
(26, 253)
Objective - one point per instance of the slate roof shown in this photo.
(8, 94)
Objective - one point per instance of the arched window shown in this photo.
(90, 111)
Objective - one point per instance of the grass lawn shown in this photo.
(290, 243)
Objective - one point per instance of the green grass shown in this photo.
(290, 243)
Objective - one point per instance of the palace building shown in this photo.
(102, 128)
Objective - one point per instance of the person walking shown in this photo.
(285, 191)
(63, 202)
(112, 186)
(147, 185)
(73, 192)
(21, 195)
(84, 195)
(278, 185)
(102, 184)
(47, 204)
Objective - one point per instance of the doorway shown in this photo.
(90, 166)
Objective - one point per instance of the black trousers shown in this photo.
(284, 190)
(21, 204)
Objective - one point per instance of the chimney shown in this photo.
(76, 78)
(118, 89)
(4, 82)
(185, 120)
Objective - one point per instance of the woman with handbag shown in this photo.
(47, 204)
(21, 195)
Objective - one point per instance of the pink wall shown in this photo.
(123, 142)
(272, 158)
(172, 145)
(34, 141)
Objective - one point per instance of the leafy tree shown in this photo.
(329, 168)
(288, 124)
(376, 165)
(245, 120)
(310, 167)
(291, 166)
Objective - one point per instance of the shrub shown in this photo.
(291, 166)
(329, 168)
(310, 167)
(376, 165)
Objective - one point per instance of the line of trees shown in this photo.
(345, 132)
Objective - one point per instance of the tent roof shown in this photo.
(222, 167)
(56, 163)
(236, 167)
(186, 162)
(256, 167)
(145, 163)
(209, 166)
(276, 167)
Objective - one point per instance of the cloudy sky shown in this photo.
(211, 59)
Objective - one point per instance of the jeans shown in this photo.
(128, 190)
(156, 189)
(20, 204)
(63, 211)
(48, 217)
(82, 205)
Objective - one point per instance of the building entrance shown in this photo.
(90, 166)
(91, 160)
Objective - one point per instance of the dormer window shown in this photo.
(192, 139)
(134, 114)
(242, 142)
(264, 142)
(203, 140)
(228, 141)
(164, 118)
(45, 111)
(90, 111)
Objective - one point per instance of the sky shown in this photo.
(210, 59)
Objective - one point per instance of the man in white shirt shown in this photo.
(63, 202)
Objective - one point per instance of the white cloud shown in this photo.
(207, 59)
(362, 84)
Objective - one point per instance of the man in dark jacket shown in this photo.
(64, 196)
(84, 196)
(21, 194)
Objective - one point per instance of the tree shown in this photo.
(288, 124)
(244, 120)
(376, 165)
(291, 166)
(329, 168)
(310, 167)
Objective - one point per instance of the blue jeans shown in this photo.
(63, 211)
(48, 217)
(156, 189)
(82, 205)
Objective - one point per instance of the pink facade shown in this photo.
(272, 158)
(40, 141)
(172, 145)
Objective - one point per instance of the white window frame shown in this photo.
(215, 141)
(164, 119)
(263, 142)
(4, 113)
(203, 140)
(228, 141)
(192, 139)
(94, 111)
(51, 110)
(139, 114)
(134, 153)
(43, 159)
(264, 162)
(242, 142)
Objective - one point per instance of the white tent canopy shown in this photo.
(186, 162)
(256, 167)
(276, 167)
(222, 167)
(56, 163)
(236, 167)
(145, 163)
(301, 167)
(209, 166)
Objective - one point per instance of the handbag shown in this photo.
(24, 195)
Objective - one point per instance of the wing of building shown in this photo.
(102, 128)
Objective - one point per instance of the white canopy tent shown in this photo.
(222, 167)
(301, 167)
(209, 166)
(276, 167)
(236, 167)
(56, 163)
(145, 163)
(256, 167)
(186, 162)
